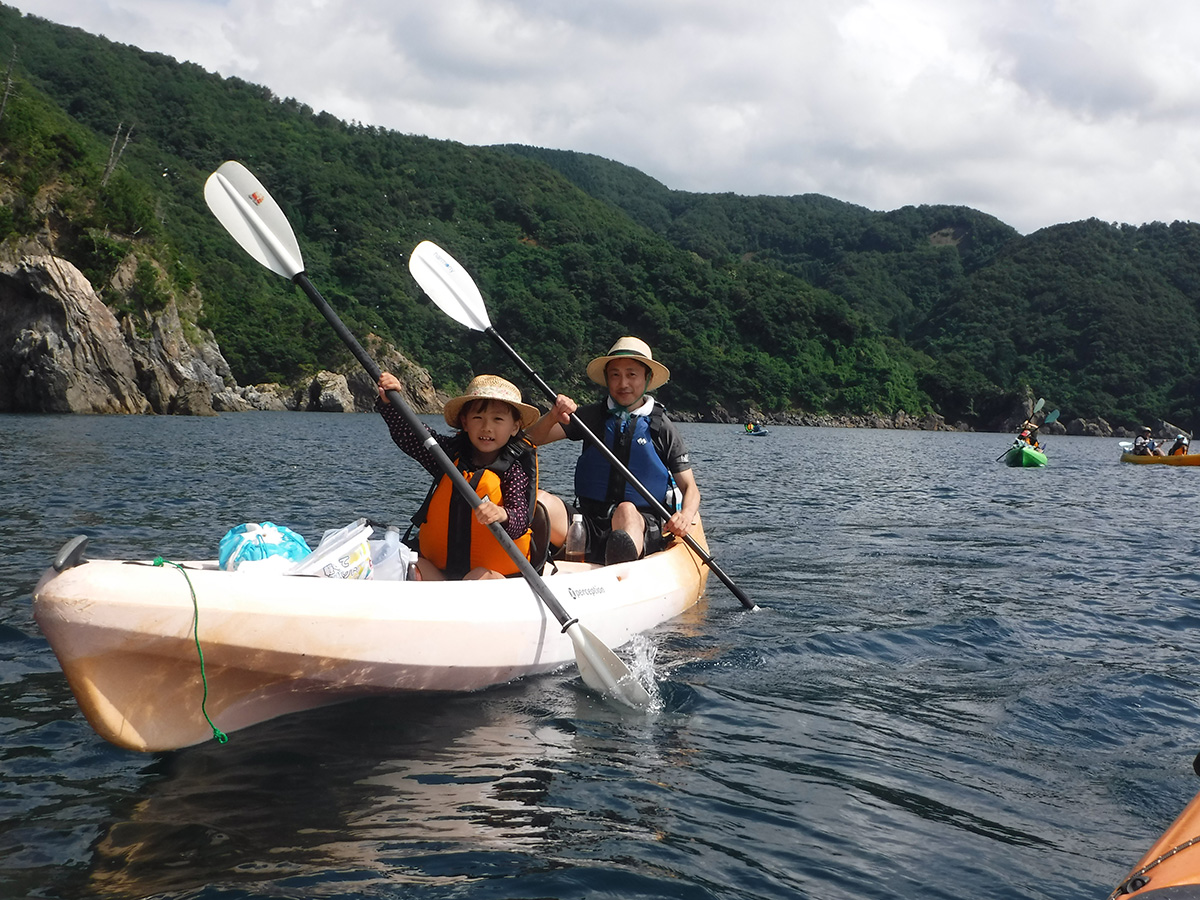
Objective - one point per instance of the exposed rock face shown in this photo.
(267, 397)
(168, 364)
(1089, 428)
(194, 398)
(63, 351)
(418, 391)
(61, 348)
(353, 390)
(330, 393)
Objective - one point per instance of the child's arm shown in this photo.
(408, 440)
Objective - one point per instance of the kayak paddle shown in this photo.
(456, 294)
(253, 218)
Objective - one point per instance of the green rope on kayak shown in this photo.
(220, 736)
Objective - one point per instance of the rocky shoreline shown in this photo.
(1097, 427)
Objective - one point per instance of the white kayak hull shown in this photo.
(123, 634)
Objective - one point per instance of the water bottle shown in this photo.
(389, 567)
(576, 544)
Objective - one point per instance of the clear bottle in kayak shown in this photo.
(576, 543)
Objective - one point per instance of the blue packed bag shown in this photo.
(254, 541)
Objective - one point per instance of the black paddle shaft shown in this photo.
(444, 462)
(599, 444)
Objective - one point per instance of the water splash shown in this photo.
(644, 652)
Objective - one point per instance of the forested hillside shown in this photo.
(785, 303)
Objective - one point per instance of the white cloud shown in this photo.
(1036, 111)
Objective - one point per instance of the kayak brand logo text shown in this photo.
(258, 198)
(576, 593)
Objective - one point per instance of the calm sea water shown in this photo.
(966, 681)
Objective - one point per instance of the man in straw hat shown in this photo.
(493, 454)
(621, 525)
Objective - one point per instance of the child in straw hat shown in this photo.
(621, 525)
(490, 449)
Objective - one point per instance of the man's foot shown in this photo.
(619, 548)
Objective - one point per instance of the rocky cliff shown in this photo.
(62, 350)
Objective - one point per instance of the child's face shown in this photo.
(489, 425)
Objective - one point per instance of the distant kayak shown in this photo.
(1021, 454)
(757, 432)
(1141, 459)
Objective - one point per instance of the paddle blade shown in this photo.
(1053, 417)
(448, 285)
(253, 218)
(603, 671)
(1037, 407)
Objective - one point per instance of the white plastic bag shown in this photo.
(390, 557)
(343, 553)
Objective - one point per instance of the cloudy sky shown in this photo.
(1036, 111)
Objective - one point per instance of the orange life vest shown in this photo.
(454, 540)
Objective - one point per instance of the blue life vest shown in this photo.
(632, 442)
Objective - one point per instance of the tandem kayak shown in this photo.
(1169, 870)
(162, 656)
(1141, 459)
(1022, 454)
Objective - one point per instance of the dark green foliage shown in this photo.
(789, 303)
(1104, 318)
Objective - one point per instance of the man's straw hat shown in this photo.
(630, 348)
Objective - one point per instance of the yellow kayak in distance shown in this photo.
(1187, 459)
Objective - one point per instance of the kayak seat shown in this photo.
(539, 538)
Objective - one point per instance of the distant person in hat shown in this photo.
(1144, 445)
(490, 449)
(621, 525)
(1180, 447)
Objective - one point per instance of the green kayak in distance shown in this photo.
(1021, 454)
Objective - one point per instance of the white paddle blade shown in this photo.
(603, 671)
(448, 285)
(253, 218)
